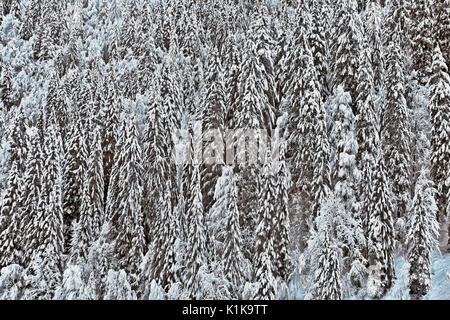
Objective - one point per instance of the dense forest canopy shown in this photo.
(222, 149)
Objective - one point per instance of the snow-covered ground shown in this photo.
(440, 279)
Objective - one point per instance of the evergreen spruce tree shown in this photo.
(190, 43)
(56, 105)
(43, 276)
(158, 151)
(253, 118)
(297, 59)
(92, 209)
(17, 148)
(51, 233)
(366, 120)
(6, 87)
(42, 221)
(197, 237)
(311, 173)
(345, 178)
(421, 33)
(318, 42)
(398, 16)
(2, 12)
(282, 39)
(349, 94)
(129, 228)
(443, 27)
(346, 48)
(265, 234)
(83, 99)
(75, 164)
(163, 266)
(213, 128)
(50, 29)
(395, 127)
(15, 8)
(301, 123)
(10, 216)
(75, 41)
(381, 231)
(256, 98)
(109, 132)
(147, 53)
(129, 35)
(53, 154)
(422, 236)
(228, 240)
(112, 203)
(345, 174)
(232, 67)
(163, 224)
(374, 47)
(283, 231)
(30, 199)
(366, 132)
(440, 138)
(327, 273)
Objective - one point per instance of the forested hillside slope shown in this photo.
(224, 149)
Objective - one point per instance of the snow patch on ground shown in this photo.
(440, 278)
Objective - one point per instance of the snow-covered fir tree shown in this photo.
(310, 172)
(265, 246)
(346, 46)
(110, 128)
(196, 237)
(345, 178)
(213, 127)
(129, 225)
(74, 171)
(372, 39)
(327, 275)
(91, 211)
(228, 242)
(283, 229)
(158, 151)
(421, 32)
(10, 216)
(30, 201)
(380, 238)
(345, 174)
(318, 40)
(440, 138)
(442, 27)
(163, 267)
(396, 126)
(367, 129)
(17, 148)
